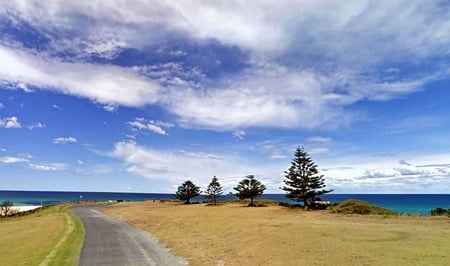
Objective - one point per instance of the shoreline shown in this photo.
(412, 204)
(25, 208)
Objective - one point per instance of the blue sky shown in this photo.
(139, 97)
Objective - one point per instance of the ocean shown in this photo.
(420, 204)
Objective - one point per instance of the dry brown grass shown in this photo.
(232, 234)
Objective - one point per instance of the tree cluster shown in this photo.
(303, 183)
(248, 188)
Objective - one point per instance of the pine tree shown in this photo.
(214, 190)
(249, 188)
(186, 191)
(303, 181)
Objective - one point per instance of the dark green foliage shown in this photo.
(186, 191)
(249, 188)
(303, 181)
(440, 212)
(214, 190)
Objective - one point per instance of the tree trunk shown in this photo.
(251, 202)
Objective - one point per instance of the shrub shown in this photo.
(440, 212)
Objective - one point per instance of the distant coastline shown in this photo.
(420, 204)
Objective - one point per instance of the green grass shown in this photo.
(50, 236)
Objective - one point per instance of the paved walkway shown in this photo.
(112, 242)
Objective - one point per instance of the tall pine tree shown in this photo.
(303, 181)
(214, 190)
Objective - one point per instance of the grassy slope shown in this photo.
(29, 239)
(236, 235)
(352, 206)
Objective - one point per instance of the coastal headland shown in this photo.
(232, 234)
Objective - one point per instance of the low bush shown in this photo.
(440, 212)
(352, 206)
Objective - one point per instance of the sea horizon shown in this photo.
(420, 204)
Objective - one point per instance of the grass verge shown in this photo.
(232, 234)
(49, 236)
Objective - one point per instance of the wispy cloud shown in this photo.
(302, 70)
(150, 125)
(62, 140)
(36, 125)
(113, 84)
(319, 139)
(240, 134)
(314, 151)
(9, 159)
(421, 174)
(48, 167)
(110, 107)
(57, 107)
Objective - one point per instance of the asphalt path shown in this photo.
(111, 242)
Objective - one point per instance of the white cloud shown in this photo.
(10, 122)
(403, 162)
(271, 96)
(48, 167)
(95, 170)
(322, 151)
(57, 107)
(110, 107)
(107, 48)
(62, 140)
(1, 105)
(276, 156)
(36, 125)
(307, 59)
(9, 159)
(353, 29)
(13, 122)
(363, 174)
(150, 125)
(105, 84)
(319, 139)
(178, 165)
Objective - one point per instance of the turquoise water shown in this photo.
(401, 203)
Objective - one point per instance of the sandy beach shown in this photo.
(25, 208)
(17, 209)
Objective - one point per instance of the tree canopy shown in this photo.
(214, 190)
(303, 181)
(187, 190)
(249, 188)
